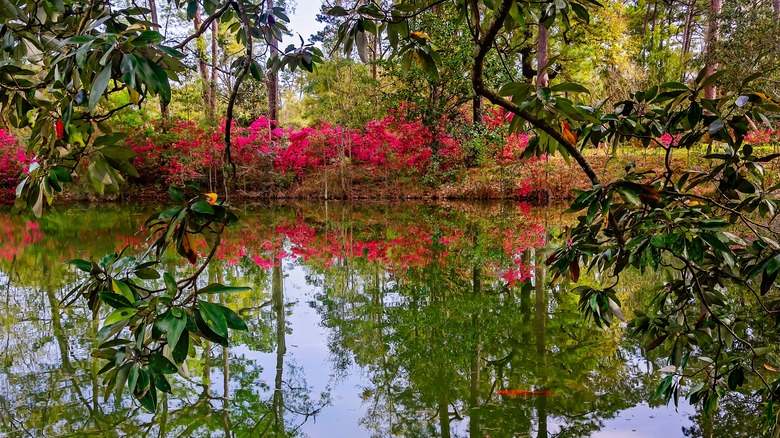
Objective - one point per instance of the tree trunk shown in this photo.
(214, 57)
(273, 78)
(202, 66)
(776, 7)
(686, 40)
(542, 78)
(709, 43)
(277, 296)
(374, 56)
(164, 113)
(475, 430)
(541, 343)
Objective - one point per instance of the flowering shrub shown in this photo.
(510, 148)
(394, 142)
(13, 161)
(175, 151)
(668, 139)
(762, 137)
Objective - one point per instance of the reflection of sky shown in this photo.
(642, 421)
(308, 343)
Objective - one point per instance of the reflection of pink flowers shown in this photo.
(516, 275)
(15, 237)
(263, 263)
(411, 247)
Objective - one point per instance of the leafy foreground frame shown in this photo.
(164, 324)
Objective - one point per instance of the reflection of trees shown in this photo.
(49, 386)
(435, 329)
(441, 340)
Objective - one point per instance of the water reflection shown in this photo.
(365, 320)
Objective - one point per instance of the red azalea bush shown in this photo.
(176, 151)
(760, 137)
(13, 161)
(510, 147)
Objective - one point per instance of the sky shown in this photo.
(304, 21)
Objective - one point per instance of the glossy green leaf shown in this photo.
(170, 284)
(99, 87)
(569, 87)
(115, 300)
(233, 320)
(216, 288)
(213, 317)
(119, 315)
(202, 207)
(161, 364)
(82, 265)
(121, 288)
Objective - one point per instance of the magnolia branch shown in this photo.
(484, 45)
(204, 26)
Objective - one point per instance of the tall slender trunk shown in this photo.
(541, 344)
(776, 10)
(226, 390)
(374, 56)
(281, 345)
(164, 112)
(709, 43)
(542, 78)
(214, 57)
(202, 66)
(686, 41)
(474, 372)
(273, 78)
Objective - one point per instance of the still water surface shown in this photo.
(365, 320)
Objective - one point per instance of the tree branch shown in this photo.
(204, 26)
(484, 45)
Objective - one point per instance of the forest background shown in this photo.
(363, 125)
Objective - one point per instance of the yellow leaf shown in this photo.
(420, 35)
(188, 248)
(567, 134)
(211, 198)
(135, 97)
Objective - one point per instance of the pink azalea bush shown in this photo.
(178, 151)
(762, 136)
(13, 162)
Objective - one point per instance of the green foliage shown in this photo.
(152, 330)
(331, 95)
(708, 231)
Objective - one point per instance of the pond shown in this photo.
(376, 320)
